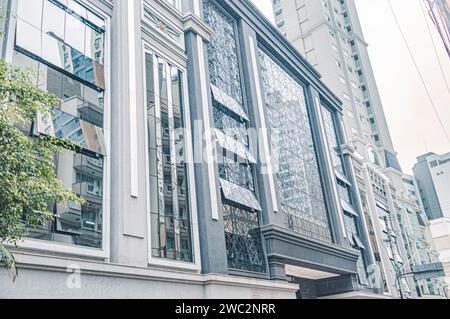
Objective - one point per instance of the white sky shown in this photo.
(413, 124)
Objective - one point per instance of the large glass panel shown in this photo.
(28, 37)
(243, 239)
(43, 32)
(31, 12)
(64, 125)
(294, 152)
(76, 224)
(27, 63)
(66, 41)
(75, 33)
(169, 192)
(76, 98)
(222, 52)
(355, 241)
(53, 20)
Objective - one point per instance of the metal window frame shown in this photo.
(55, 247)
(195, 265)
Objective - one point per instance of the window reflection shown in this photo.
(332, 138)
(169, 192)
(293, 150)
(53, 20)
(236, 164)
(76, 224)
(52, 37)
(64, 40)
(31, 11)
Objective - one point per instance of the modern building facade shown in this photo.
(418, 239)
(214, 160)
(328, 33)
(431, 172)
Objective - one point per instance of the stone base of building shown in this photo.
(63, 278)
(358, 295)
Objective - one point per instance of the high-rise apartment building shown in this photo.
(432, 173)
(328, 33)
(214, 161)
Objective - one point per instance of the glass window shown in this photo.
(77, 8)
(31, 12)
(169, 191)
(53, 20)
(65, 41)
(28, 37)
(243, 240)
(41, 34)
(236, 170)
(75, 33)
(294, 151)
(344, 192)
(23, 61)
(222, 52)
(76, 224)
(333, 141)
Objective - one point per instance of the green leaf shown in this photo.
(7, 260)
(28, 180)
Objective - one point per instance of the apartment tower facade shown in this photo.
(432, 174)
(329, 34)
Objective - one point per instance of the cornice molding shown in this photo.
(192, 22)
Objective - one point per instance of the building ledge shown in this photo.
(288, 247)
(64, 265)
(361, 294)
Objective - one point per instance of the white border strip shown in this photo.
(134, 176)
(208, 132)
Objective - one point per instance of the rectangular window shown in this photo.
(63, 39)
(170, 217)
(64, 42)
(344, 190)
(293, 149)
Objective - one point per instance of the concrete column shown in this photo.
(129, 244)
(211, 227)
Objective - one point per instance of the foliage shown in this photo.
(28, 180)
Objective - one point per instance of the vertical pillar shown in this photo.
(128, 170)
(210, 220)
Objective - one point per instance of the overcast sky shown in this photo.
(412, 121)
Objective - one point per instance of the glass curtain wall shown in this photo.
(293, 152)
(64, 44)
(170, 218)
(351, 217)
(236, 163)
